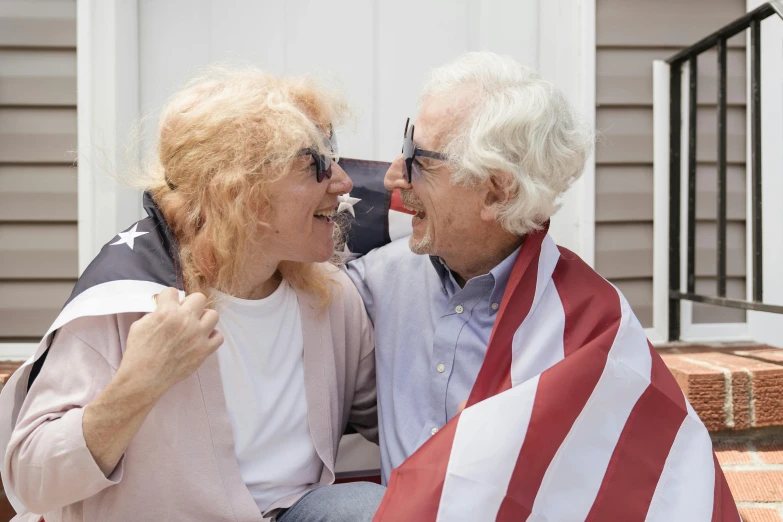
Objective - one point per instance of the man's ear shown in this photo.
(498, 193)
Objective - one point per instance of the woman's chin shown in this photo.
(323, 253)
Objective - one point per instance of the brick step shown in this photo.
(731, 387)
(752, 461)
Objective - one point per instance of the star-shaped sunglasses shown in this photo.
(410, 151)
(323, 162)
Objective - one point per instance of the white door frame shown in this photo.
(108, 107)
(567, 58)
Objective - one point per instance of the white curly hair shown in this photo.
(517, 123)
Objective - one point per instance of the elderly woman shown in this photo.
(144, 402)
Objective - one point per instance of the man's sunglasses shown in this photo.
(323, 163)
(410, 151)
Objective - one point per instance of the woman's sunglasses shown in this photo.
(323, 162)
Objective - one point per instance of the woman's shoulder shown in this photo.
(345, 291)
(105, 334)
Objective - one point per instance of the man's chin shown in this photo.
(421, 246)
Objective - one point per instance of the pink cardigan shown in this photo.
(181, 464)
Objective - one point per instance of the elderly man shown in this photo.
(565, 397)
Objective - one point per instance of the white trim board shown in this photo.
(566, 57)
(17, 351)
(661, 77)
(108, 106)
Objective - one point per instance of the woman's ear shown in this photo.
(498, 193)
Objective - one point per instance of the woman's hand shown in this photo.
(169, 344)
(163, 348)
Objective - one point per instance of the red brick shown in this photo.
(756, 486)
(733, 348)
(731, 452)
(759, 515)
(704, 388)
(770, 452)
(7, 368)
(756, 386)
(741, 383)
(760, 352)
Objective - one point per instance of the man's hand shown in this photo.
(461, 406)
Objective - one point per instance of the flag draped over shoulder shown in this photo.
(129, 270)
(573, 416)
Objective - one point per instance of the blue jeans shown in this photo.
(352, 502)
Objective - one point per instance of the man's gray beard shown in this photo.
(422, 246)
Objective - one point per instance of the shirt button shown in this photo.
(441, 368)
(434, 431)
(495, 306)
(459, 309)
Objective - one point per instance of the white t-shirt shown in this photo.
(261, 365)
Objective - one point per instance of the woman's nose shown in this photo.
(339, 183)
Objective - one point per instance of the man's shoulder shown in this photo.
(396, 252)
(389, 266)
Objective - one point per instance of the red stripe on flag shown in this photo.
(416, 486)
(592, 318)
(724, 509)
(642, 449)
(396, 203)
(495, 373)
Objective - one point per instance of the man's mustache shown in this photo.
(410, 200)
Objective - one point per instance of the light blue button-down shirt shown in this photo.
(430, 340)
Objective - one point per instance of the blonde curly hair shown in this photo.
(222, 139)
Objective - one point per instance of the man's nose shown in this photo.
(397, 175)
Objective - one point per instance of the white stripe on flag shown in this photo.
(547, 309)
(400, 224)
(489, 435)
(528, 357)
(686, 489)
(574, 477)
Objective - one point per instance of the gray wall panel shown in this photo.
(38, 179)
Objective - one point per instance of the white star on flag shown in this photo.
(347, 203)
(129, 236)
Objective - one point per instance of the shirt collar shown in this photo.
(498, 275)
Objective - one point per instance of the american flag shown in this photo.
(573, 416)
(377, 215)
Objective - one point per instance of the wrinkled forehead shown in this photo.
(441, 115)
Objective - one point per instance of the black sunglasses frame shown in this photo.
(323, 163)
(410, 151)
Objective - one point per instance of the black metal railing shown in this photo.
(752, 20)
